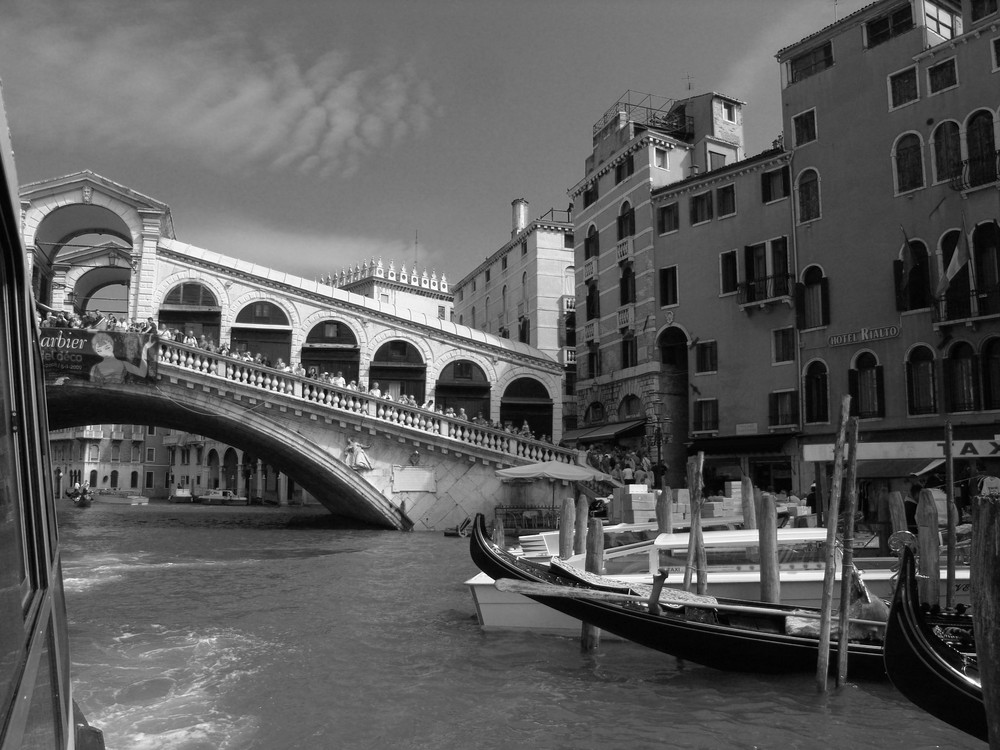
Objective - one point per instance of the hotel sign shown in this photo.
(864, 335)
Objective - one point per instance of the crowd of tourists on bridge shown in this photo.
(94, 320)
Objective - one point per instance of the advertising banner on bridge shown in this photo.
(99, 356)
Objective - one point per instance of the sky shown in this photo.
(312, 135)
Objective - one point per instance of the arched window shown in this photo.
(93, 453)
(909, 164)
(594, 413)
(986, 252)
(816, 389)
(114, 479)
(626, 286)
(867, 389)
(982, 149)
(991, 374)
(809, 204)
(592, 243)
(913, 280)
(629, 408)
(262, 313)
(947, 151)
(812, 300)
(921, 384)
(626, 221)
(958, 294)
(961, 379)
(134, 480)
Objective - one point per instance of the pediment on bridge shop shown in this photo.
(79, 206)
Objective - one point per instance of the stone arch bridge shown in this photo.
(303, 425)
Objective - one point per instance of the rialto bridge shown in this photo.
(85, 233)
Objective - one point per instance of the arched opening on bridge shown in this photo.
(191, 306)
(263, 328)
(71, 236)
(230, 469)
(463, 384)
(332, 347)
(526, 400)
(398, 368)
(104, 288)
(212, 463)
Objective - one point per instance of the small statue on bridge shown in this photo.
(356, 457)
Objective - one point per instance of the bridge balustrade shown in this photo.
(324, 394)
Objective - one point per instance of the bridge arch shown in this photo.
(50, 223)
(526, 399)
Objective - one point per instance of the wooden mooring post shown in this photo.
(929, 546)
(748, 504)
(582, 514)
(770, 574)
(567, 527)
(590, 636)
(665, 510)
(833, 511)
(696, 560)
(985, 598)
(847, 564)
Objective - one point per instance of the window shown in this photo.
(667, 218)
(983, 8)
(982, 149)
(630, 352)
(947, 151)
(116, 452)
(784, 345)
(149, 480)
(151, 430)
(706, 357)
(701, 208)
(626, 286)
(624, 169)
(865, 384)
(903, 88)
(668, 286)
(716, 160)
(991, 374)
(441, 314)
(524, 331)
(996, 54)
(811, 62)
(920, 382)
(93, 453)
(883, 29)
(729, 111)
(594, 362)
(960, 378)
(660, 158)
(774, 185)
(487, 280)
(809, 206)
(812, 300)
(817, 400)
(524, 249)
(909, 163)
(783, 409)
(725, 199)
(706, 415)
(912, 275)
(626, 221)
(942, 76)
(593, 302)
(592, 244)
(941, 21)
(567, 243)
(728, 274)
(503, 263)
(766, 271)
(590, 194)
(805, 127)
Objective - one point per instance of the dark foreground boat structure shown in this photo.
(736, 635)
(931, 658)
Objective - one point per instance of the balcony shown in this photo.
(974, 173)
(589, 269)
(765, 291)
(964, 305)
(117, 435)
(568, 303)
(626, 316)
(625, 250)
(591, 332)
(567, 356)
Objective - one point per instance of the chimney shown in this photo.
(519, 215)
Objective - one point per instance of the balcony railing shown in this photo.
(589, 268)
(567, 356)
(973, 173)
(626, 316)
(590, 331)
(978, 303)
(624, 250)
(568, 303)
(776, 288)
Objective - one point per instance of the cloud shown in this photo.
(222, 96)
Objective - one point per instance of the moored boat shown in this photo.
(931, 658)
(731, 635)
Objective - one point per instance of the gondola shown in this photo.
(734, 635)
(931, 659)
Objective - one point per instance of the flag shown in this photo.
(907, 254)
(958, 259)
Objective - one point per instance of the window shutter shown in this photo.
(880, 390)
(693, 211)
(824, 285)
(765, 188)
(910, 388)
(772, 409)
(786, 181)
(975, 382)
(800, 305)
(795, 408)
(852, 389)
(947, 384)
(897, 282)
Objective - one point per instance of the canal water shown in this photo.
(205, 628)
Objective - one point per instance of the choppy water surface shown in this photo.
(196, 628)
